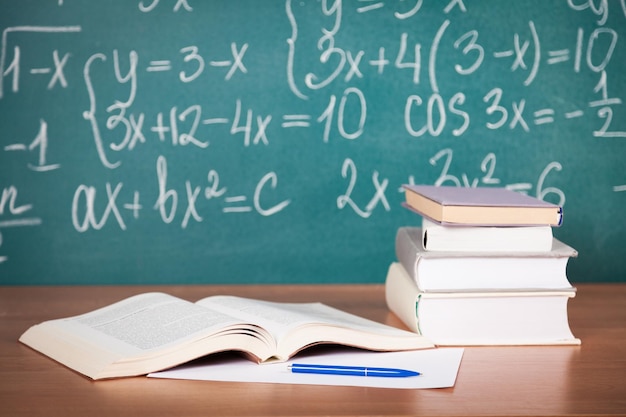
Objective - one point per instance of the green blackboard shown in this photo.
(187, 141)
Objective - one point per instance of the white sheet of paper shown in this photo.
(438, 367)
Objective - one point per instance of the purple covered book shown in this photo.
(480, 206)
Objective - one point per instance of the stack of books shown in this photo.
(484, 269)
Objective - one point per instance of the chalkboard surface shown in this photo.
(187, 141)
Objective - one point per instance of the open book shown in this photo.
(155, 331)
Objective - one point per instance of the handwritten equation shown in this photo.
(427, 78)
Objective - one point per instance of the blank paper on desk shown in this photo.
(438, 368)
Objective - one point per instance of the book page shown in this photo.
(146, 322)
(277, 318)
(142, 334)
(298, 325)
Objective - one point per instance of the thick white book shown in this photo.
(480, 318)
(440, 237)
(482, 271)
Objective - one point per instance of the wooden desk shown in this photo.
(584, 380)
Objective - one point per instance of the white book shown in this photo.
(155, 331)
(439, 237)
(476, 319)
(482, 271)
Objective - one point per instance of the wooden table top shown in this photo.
(551, 380)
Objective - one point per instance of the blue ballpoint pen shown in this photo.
(305, 368)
